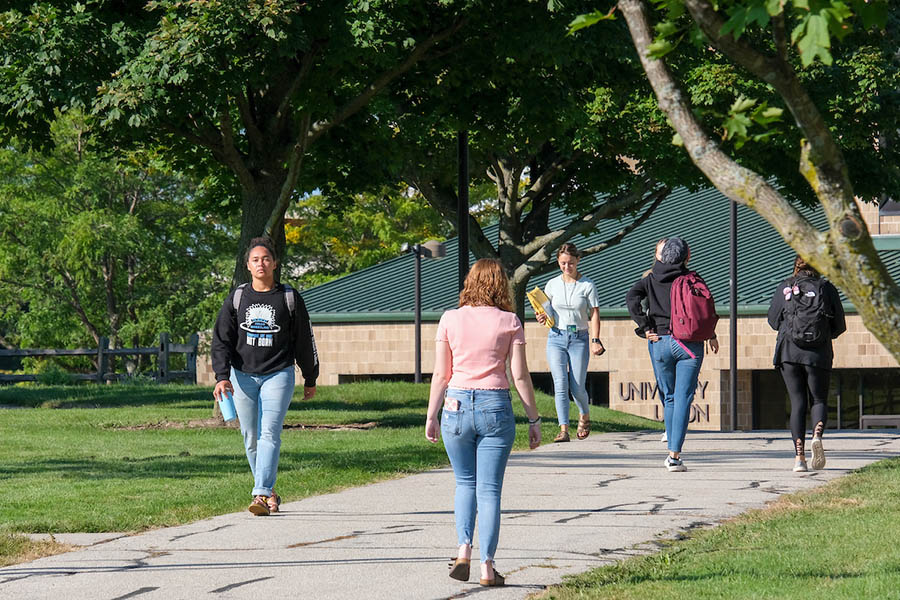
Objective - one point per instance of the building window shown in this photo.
(876, 391)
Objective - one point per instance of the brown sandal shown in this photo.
(260, 506)
(562, 436)
(459, 569)
(497, 581)
(584, 427)
(274, 501)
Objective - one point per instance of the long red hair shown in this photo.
(486, 285)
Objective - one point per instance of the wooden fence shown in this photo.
(162, 352)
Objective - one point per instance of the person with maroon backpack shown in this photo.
(680, 318)
(806, 311)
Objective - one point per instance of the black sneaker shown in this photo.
(675, 464)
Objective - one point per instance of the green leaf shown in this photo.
(813, 40)
(660, 48)
(742, 104)
(745, 16)
(589, 19)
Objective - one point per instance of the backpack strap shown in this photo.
(236, 300)
(289, 298)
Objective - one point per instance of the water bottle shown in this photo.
(226, 405)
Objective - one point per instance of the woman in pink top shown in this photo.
(477, 423)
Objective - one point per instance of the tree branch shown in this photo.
(655, 199)
(254, 134)
(352, 107)
(779, 34)
(541, 261)
(830, 172)
(613, 207)
(283, 111)
(736, 182)
(295, 162)
(232, 155)
(445, 202)
(546, 177)
(75, 302)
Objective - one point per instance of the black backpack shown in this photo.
(806, 312)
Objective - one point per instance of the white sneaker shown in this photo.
(818, 454)
(674, 464)
(800, 465)
(664, 438)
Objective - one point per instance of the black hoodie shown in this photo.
(656, 289)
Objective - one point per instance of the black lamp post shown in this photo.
(430, 249)
(732, 318)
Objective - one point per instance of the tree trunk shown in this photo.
(518, 287)
(257, 204)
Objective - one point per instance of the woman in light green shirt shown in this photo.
(574, 337)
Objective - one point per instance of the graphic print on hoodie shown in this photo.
(259, 323)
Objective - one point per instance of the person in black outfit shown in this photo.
(263, 328)
(676, 363)
(806, 366)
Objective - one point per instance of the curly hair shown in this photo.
(486, 285)
(804, 269)
(263, 241)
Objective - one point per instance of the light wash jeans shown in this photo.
(262, 402)
(568, 355)
(676, 373)
(478, 437)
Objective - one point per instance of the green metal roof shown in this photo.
(384, 292)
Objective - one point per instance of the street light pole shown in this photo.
(462, 205)
(417, 250)
(732, 321)
(430, 249)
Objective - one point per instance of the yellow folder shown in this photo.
(541, 305)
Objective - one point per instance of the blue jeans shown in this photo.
(478, 437)
(676, 374)
(568, 355)
(262, 402)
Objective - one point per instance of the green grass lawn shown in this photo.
(839, 541)
(82, 458)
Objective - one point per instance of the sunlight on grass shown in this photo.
(128, 458)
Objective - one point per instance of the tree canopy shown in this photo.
(94, 243)
(251, 86)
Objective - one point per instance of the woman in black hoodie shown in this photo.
(262, 329)
(805, 305)
(676, 363)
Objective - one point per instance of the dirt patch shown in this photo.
(207, 423)
(341, 427)
(193, 424)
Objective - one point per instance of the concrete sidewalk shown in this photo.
(566, 508)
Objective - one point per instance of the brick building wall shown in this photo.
(879, 224)
(387, 348)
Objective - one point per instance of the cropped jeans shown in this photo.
(676, 372)
(478, 437)
(568, 355)
(262, 402)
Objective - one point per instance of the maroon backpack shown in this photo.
(693, 309)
